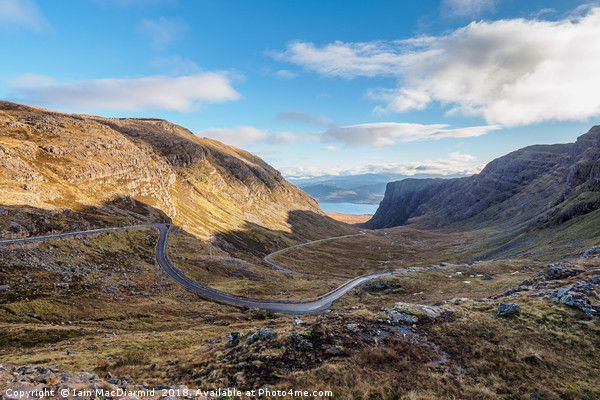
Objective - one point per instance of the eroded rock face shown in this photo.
(542, 185)
(140, 169)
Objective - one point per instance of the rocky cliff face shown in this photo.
(537, 186)
(88, 169)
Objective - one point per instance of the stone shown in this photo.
(62, 285)
(508, 309)
(419, 309)
(4, 288)
(234, 338)
(487, 277)
(534, 359)
(594, 252)
(261, 334)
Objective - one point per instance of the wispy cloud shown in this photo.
(177, 65)
(510, 72)
(467, 8)
(285, 74)
(454, 164)
(382, 134)
(304, 118)
(241, 136)
(22, 14)
(374, 135)
(163, 31)
(159, 92)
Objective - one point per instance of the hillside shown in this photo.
(529, 190)
(65, 172)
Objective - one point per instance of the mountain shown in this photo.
(64, 171)
(534, 188)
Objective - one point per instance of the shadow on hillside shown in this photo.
(260, 241)
(17, 221)
(22, 220)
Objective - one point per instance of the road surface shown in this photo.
(306, 306)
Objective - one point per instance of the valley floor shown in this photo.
(102, 305)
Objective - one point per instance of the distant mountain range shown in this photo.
(362, 189)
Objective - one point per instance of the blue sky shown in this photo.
(319, 87)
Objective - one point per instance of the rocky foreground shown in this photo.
(419, 337)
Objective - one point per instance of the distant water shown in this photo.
(349, 208)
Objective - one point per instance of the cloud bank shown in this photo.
(454, 164)
(510, 72)
(159, 92)
(374, 135)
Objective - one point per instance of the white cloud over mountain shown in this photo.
(158, 92)
(374, 135)
(510, 72)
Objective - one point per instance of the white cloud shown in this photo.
(347, 60)
(159, 92)
(163, 31)
(22, 13)
(241, 136)
(467, 8)
(384, 134)
(510, 72)
(454, 164)
(329, 148)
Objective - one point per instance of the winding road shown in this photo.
(305, 306)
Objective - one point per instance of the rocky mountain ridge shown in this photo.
(55, 166)
(537, 187)
(536, 182)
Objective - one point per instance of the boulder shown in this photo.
(508, 309)
(594, 252)
(261, 334)
(554, 272)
